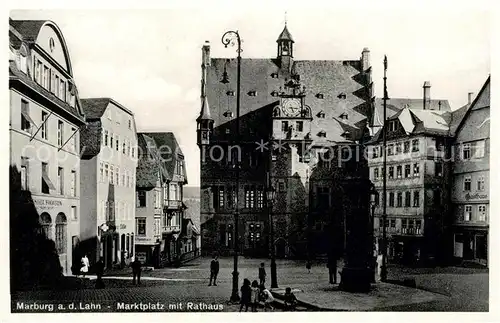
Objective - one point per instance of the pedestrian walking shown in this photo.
(246, 295)
(262, 274)
(290, 300)
(332, 269)
(136, 271)
(99, 270)
(84, 269)
(267, 298)
(214, 270)
(255, 295)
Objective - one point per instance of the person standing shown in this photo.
(262, 274)
(85, 265)
(246, 295)
(255, 295)
(214, 270)
(99, 270)
(332, 268)
(136, 271)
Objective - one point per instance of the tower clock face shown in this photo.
(291, 107)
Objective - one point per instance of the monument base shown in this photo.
(356, 280)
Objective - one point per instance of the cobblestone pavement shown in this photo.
(188, 284)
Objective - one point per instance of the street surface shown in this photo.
(176, 287)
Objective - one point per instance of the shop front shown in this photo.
(471, 244)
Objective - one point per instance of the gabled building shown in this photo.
(44, 131)
(471, 180)
(307, 107)
(160, 208)
(419, 134)
(109, 161)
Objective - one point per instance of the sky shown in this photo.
(149, 60)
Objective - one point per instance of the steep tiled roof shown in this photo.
(94, 108)
(16, 75)
(149, 164)
(285, 35)
(90, 139)
(168, 155)
(397, 104)
(344, 90)
(482, 100)
(457, 116)
(29, 29)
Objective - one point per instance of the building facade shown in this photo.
(470, 181)
(419, 134)
(109, 161)
(160, 209)
(305, 107)
(45, 119)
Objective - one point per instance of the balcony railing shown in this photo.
(402, 231)
(173, 204)
(171, 228)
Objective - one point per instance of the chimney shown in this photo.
(470, 96)
(365, 59)
(427, 95)
(206, 53)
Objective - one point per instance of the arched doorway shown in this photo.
(46, 223)
(61, 238)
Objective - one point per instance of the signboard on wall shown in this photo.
(476, 196)
(46, 204)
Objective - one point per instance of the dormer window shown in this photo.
(393, 125)
(322, 134)
(344, 116)
(274, 75)
(320, 95)
(230, 93)
(228, 114)
(274, 93)
(321, 115)
(228, 131)
(252, 93)
(347, 135)
(342, 96)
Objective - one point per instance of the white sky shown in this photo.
(149, 60)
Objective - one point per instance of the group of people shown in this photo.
(99, 270)
(253, 293)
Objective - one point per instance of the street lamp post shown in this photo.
(230, 37)
(383, 269)
(271, 192)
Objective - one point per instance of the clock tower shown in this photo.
(292, 117)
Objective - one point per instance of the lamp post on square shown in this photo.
(271, 194)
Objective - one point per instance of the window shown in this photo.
(439, 144)
(467, 183)
(23, 62)
(74, 216)
(416, 199)
(43, 131)
(73, 183)
(124, 183)
(321, 115)
(106, 172)
(407, 199)
(105, 137)
(60, 180)
(398, 148)
(173, 192)
(390, 150)
(391, 172)
(117, 176)
(466, 151)
(260, 197)
(400, 199)
(281, 186)
(133, 152)
(157, 227)
(415, 145)
(123, 149)
(46, 77)
(141, 198)
(101, 172)
(111, 174)
(467, 213)
(284, 126)
(375, 173)
(221, 196)
(26, 120)
(141, 226)
(249, 197)
(117, 143)
(130, 124)
(375, 152)
(404, 224)
(38, 66)
(479, 149)
(437, 197)
(399, 171)
(480, 183)
(300, 126)
(57, 86)
(46, 183)
(481, 211)
(62, 90)
(406, 147)
(73, 139)
(24, 174)
(438, 171)
(393, 125)
(60, 127)
(391, 199)
(407, 170)
(322, 134)
(111, 140)
(157, 199)
(416, 170)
